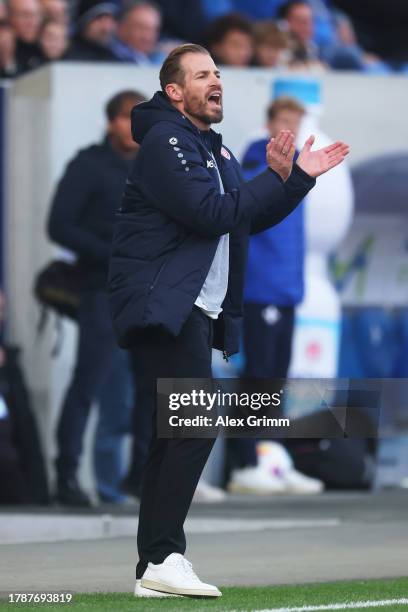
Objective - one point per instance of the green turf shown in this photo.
(245, 598)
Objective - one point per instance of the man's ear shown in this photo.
(174, 92)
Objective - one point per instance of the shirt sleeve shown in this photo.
(71, 197)
(273, 211)
(171, 174)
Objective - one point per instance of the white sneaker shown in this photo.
(176, 575)
(296, 482)
(207, 494)
(255, 480)
(142, 592)
(275, 459)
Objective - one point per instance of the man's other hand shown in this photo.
(280, 152)
(315, 163)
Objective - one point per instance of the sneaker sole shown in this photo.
(167, 588)
(235, 488)
(143, 592)
(299, 491)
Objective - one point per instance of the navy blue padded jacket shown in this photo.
(171, 218)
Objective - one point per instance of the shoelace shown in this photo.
(188, 569)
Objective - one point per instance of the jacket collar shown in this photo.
(146, 114)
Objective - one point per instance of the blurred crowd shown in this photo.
(313, 35)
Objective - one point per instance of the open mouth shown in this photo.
(214, 99)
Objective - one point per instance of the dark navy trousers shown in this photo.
(268, 332)
(174, 466)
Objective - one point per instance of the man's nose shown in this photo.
(216, 82)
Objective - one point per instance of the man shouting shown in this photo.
(177, 274)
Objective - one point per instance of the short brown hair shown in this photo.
(171, 70)
(231, 22)
(115, 104)
(268, 33)
(284, 103)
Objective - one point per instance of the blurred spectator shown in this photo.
(138, 33)
(22, 470)
(381, 28)
(297, 18)
(275, 265)
(8, 62)
(95, 28)
(55, 10)
(12, 483)
(81, 219)
(274, 286)
(230, 40)
(323, 23)
(346, 54)
(25, 17)
(53, 40)
(272, 46)
(261, 10)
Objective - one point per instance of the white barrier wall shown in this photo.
(56, 110)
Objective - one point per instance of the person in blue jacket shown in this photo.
(274, 279)
(177, 274)
(273, 287)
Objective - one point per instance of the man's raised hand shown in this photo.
(318, 162)
(280, 152)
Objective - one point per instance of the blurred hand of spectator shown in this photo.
(56, 10)
(53, 40)
(138, 32)
(272, 46)
(8, 63)
(230, 40)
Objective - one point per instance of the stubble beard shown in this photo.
(197, 110)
